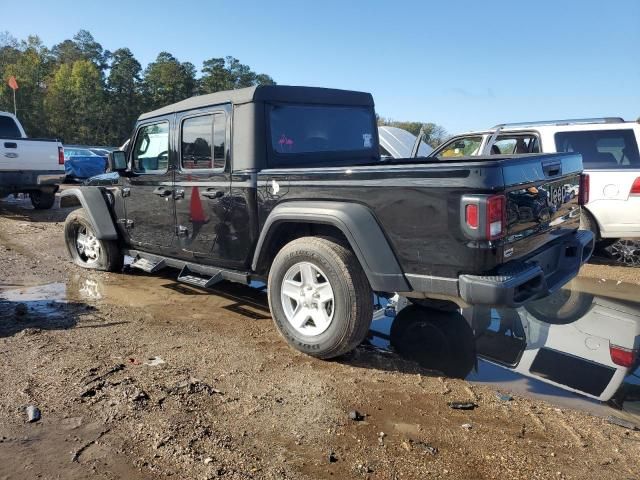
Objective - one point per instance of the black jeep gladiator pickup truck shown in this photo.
(286, 184)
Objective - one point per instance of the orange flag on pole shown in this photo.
(13, 83)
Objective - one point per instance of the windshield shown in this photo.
(460, 147)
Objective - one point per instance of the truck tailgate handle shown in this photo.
(162, 192)
(551, 169)
(10, 145)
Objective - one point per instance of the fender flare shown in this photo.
(95, 205)
(359, 226)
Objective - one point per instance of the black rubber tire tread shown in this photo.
(42, 200)
(111, 258)
(351, 289)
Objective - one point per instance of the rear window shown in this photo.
(309, 129)
(8, 128)
(602, 149)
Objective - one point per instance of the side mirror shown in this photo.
(117, 161)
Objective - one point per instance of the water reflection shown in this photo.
(583, 339)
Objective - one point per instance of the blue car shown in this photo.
(81, 163)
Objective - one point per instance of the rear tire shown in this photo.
(319, 297)
(85, 249)
(587, 222)
(42, 200)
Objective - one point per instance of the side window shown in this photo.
(603, 149)
(203, 142)
(515, 144)
(461, 147)
(8, 128)
(197, 138)
(219, 139)
(151, 150)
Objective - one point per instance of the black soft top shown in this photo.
(267, 93)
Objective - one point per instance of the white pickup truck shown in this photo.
(29, 165)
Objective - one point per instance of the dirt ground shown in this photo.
(139, 377)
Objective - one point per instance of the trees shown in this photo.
(75, 101)
(124, 91)
(168, 81)
(228, 73)
(84, 94)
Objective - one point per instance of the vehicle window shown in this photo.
(203, 142)
(602, 149)
(8, 128)
(515, 144)
(303, 129)
(197, 136)
(151, 150)
(219, 139)
(461, 147)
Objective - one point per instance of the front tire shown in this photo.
(42, 200)
(319, 297)
(85, 249)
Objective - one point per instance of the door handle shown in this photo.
(162, 192)
(10, 145)
(213, 194)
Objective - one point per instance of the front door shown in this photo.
(202, 186)
(149, 203)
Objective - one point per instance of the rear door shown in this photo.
(203, 183)
(148, 191)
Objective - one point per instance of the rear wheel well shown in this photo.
(285, 232)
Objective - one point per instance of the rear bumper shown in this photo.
(536, 276)
(517, 282)
(15, 181)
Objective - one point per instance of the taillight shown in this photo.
(471, 216)
(60, 156)
(495, 217)
(483, 216)
(622, 356)
(583, 190)
(635, 188)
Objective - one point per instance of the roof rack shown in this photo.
(573, 121)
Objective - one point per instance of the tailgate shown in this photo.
(30, 154)
(542, 200)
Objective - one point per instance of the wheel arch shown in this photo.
(356, 225)
(94, 203)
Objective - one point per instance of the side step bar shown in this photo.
(192, 273)
(192, 278)
(147, 265)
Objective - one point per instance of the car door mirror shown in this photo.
(117, 161)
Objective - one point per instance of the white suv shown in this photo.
(609, 148)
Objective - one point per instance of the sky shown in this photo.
(460, 63)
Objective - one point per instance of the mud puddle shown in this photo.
(576, 348)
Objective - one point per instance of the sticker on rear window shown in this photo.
(366, 139)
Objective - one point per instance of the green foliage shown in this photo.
(228, 73)
(434, 134)
(82, 93)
